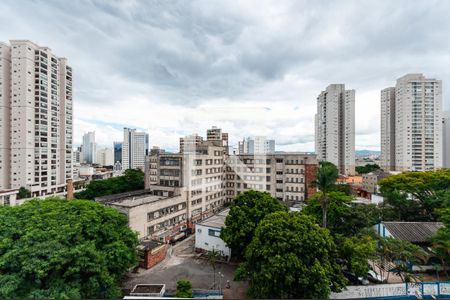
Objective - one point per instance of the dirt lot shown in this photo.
(182, 263)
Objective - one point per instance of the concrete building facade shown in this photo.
(417, 121)
(256, 145)
(387, 157)
(35, 118)
(105, 157)
(190, 142)
(335, 127)
(134, 149)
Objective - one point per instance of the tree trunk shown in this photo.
(324, 210)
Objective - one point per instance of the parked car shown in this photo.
(374, 277)
(353, 279)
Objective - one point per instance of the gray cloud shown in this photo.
(192, 53)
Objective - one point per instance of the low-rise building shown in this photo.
(153, 214)
(370, 180)
(151, 253)
(207, 234)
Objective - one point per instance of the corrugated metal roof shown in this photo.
(416, 232)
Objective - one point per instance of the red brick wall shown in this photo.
(154, 257)
(310, 176)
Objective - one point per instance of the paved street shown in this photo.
(182, 263)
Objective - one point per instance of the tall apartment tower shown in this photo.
(134, 149)
(335, 127)
(89, 148)
(388, 129)
(446, 139)
(417, 125)
(35, 118)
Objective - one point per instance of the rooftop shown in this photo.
(216, 221)
(130, 199)
(416, 232)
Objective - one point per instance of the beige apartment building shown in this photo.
(35, 118)
(286, 176)
(335, 128)
(411, 124)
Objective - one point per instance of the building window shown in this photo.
(213, 232)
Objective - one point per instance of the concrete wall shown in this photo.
(207, 242)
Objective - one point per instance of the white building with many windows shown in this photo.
(335, 127)
(413, 139)
(134, 149)
(35, 118)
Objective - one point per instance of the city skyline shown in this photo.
(179, 79)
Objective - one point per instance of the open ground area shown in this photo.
(183, 263)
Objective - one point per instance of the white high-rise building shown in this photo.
(89, 148)
(105, 157)
(134, 149)
(335, 127)
(416, 120)
(257, 145)
(35, 118)
(446, 138)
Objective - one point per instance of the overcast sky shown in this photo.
(173, 68)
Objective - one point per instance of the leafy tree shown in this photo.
(184, 289)
(246, 211)
(344, 188)
(326, 176)
(64, 249)
(23, 193)
(441, 240)
(291, 257)
(343, 219)
(132, 180)
(367, 168)
(355, 253)
(429, 190)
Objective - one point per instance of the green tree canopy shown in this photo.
(291, 257)
(23, 193)
(246, 211)
(132, 180)
(367, 168)
(184, 289)
(343, 219)
(441, 240)
(429, 189)
(64, 249)
(355, 252)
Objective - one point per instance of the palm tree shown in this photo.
(326, 176)
(213, 257)
(441, 247)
